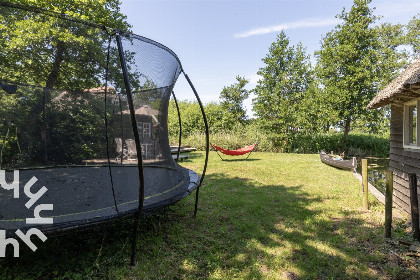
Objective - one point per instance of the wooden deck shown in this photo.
(184, 149)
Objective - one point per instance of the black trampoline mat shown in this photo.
(83, 195)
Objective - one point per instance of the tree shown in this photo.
(413, 34)
(315, 115)
(51, 52)
(47, 56)
(233, 97)
(286, 78)
(219, 120)
(102, 12)
(357, 59)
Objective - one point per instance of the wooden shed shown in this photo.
(403, 94)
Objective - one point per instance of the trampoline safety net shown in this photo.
(65, 118)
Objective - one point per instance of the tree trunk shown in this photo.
(51, 80)
(55, 71)
(346, 133)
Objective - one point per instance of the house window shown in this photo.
(147, 130)
(411, 127)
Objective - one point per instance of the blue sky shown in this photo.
(216, 40)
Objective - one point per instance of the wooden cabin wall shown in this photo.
(402, 161)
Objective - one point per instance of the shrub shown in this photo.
(358, 144)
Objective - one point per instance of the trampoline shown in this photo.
(85, 111)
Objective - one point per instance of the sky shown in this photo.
(217, 40)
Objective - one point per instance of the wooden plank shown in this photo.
(182, 146)
(395, 144)
(405, 199)
(404, 166)
(401, 178)
(398, 172)
(396, 136)
(400, 204)
(412, 153)
(183, 150)
(415, 88)
(396, 140)
(413, 162)
(379, 196)
(403, 186)
(396, 129)
(401, 154)
(397, 113)
(400, 191)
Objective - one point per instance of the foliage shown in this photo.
(10, 152)
(358, 144)
(315, 116)
(102, 12)
(357, 59)
(413, 34)
(238, 137)
(218, 118)
(51, 58)
(232, 98)
(286, 78)
(53, 52)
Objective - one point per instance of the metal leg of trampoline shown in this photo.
(196, 202)
(180, 127)
(134, 240)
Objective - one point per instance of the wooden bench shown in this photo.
(180, 158)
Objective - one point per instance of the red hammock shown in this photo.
(238, 152)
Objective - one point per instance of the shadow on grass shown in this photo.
(243, 230)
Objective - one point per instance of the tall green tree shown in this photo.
(355, 61)
(56, 58)
(232, 98)
(413, 34)
(51, 52)
(286, 78)
(219, 120)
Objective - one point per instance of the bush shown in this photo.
(358, 144)
(236, 138)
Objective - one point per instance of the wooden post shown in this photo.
(414, 206)
(365, 184)
(388, 203)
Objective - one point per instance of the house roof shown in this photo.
(403, 88)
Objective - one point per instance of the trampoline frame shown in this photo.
(140, 211)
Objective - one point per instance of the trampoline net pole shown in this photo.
(106, 122)
(138, 146)
(207, 140)
(180, 126)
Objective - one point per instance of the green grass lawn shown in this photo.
(275, 216)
